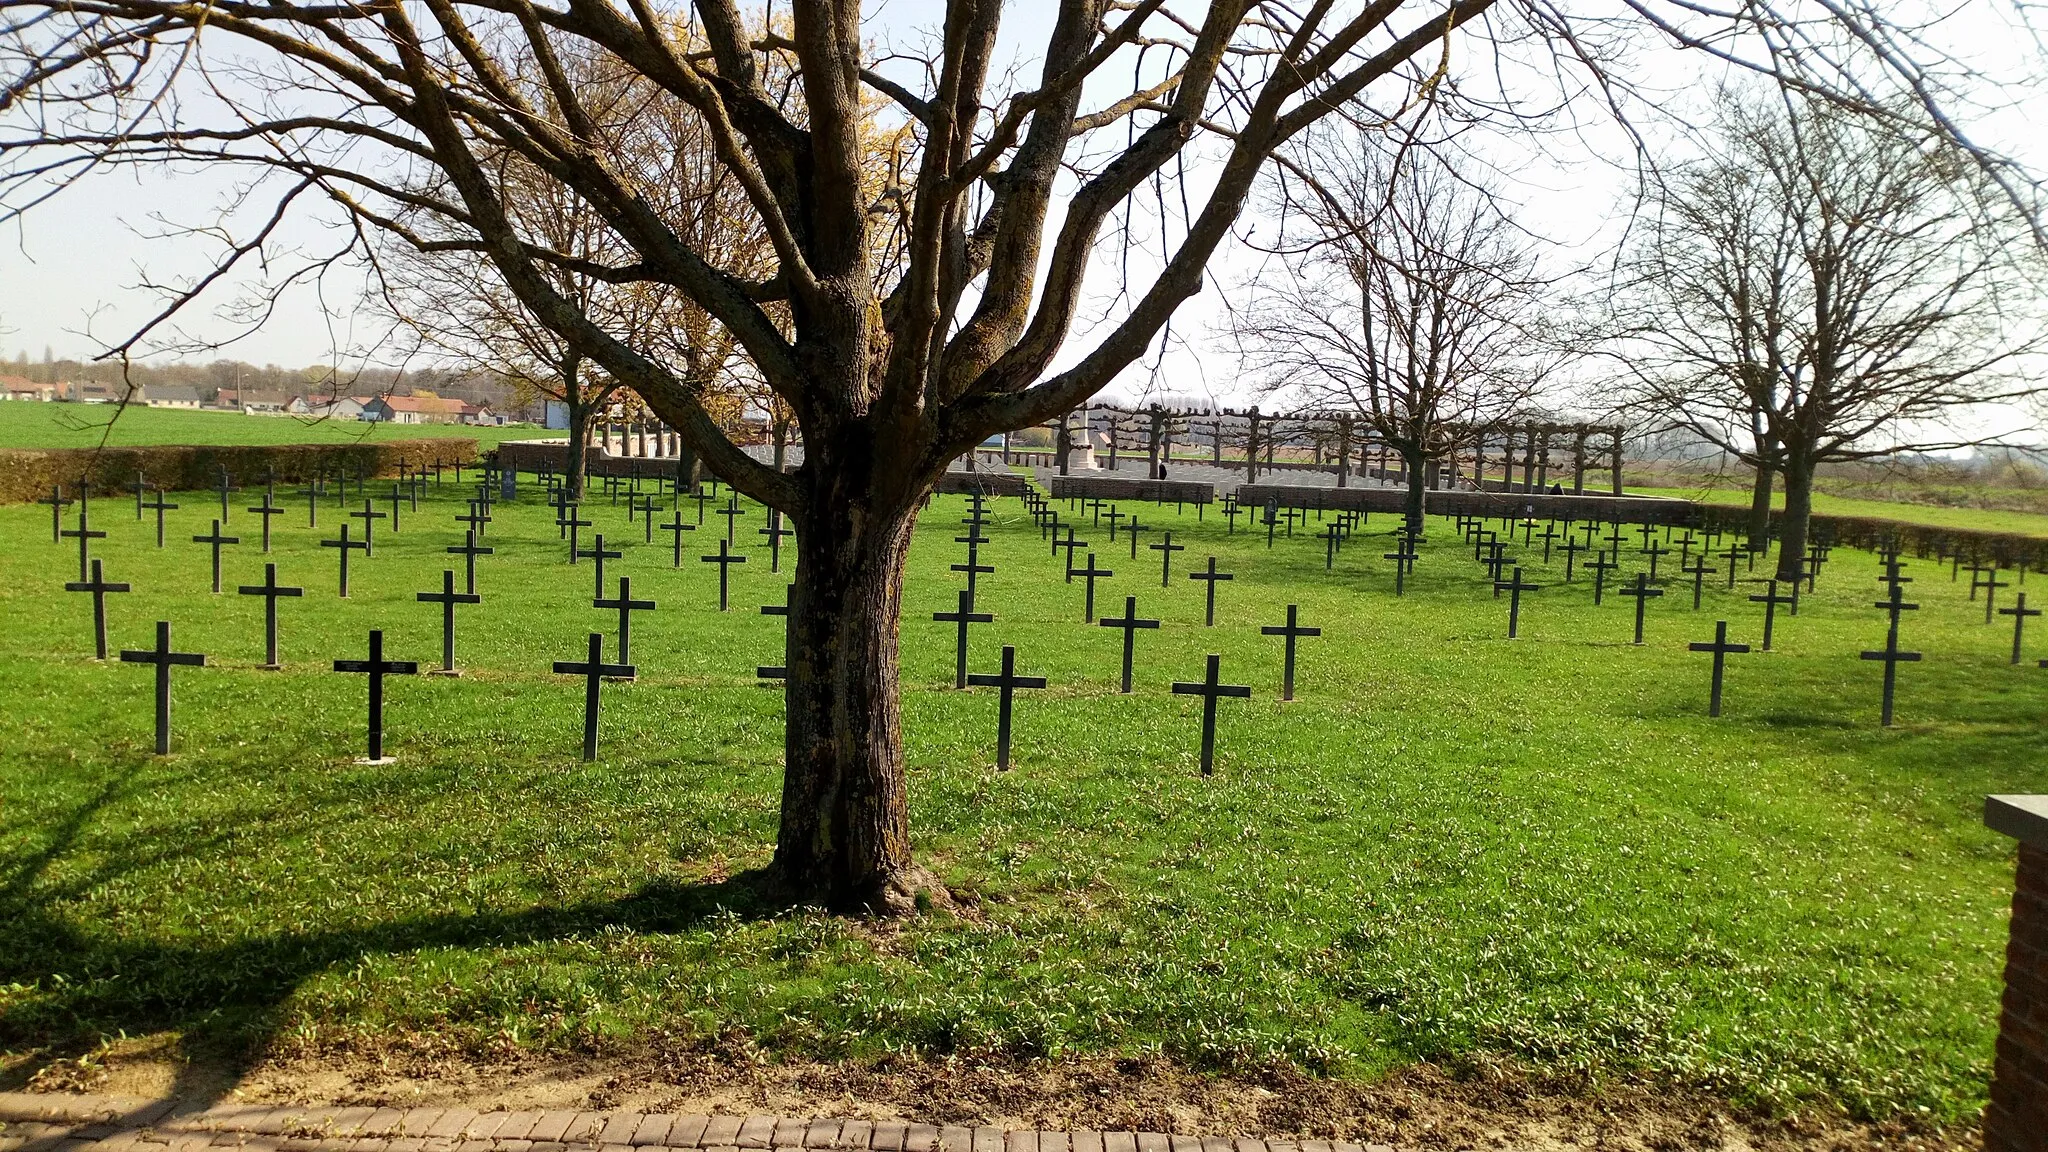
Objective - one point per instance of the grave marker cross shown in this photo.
(1643, 593)
(346, 545)
(1210, 690)
(778, 671)
(1404, 557)
(397, 495)
(1770, 600)
(216, 540)
(447, 598)
(1130, 623)
(1733, 553)
(1166, 548)
(593, 670)
(974, 540)
(469, 550)
(1721, 649)
(160, 506)
(725, 560)
(224, 486)
(1991, 586)
(266, 510)
(1601, 564)
(775, 532)
(626, 606)
(598, 552)
(86, 535)
(1292, 631)
(100, 587)
(1092, 573)
(1514, 587)
(675, 528)
(1132, 530)
(377, 668)
(1113, 516)
(1070, 544)
(1007, 681)
(574, 522)
(1699, 571)
(732, 513)
(270, 590)
(164, 659)
(2019, 613)
(369, 516)
(57, 502)
(1209, 576)
(961, 617)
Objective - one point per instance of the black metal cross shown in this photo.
(216, 540)
(732, 513)
(1733, 553)
(1008, 682)
(164, 659)
(1655, 552)
(1550, 535)
(377, 667)
(675, 528)
(2019, 613)
(100, 587)
(1895, 605)
(594, 671)
(1132, 530)
(778, 671)
(1210, 690)
(1091, 572)
(1404, 557)
(1230, 514)
(397, 495)
(1991, 586)
(346, 545)
(574, 522)
(1892, 657)
(447, 598)
(86, 535)
(702, 498)
(1209, 576)
(598, 552)
(1770, 600)
(224, 486)
(725, 559)
(626, 606)
(1129, 623)
(270, 590)
(1166, 548)
(57, 502)
(469, 550)
(1333, 533)
(369, 516)
(1514, 587)
(266, 510)
(775, 532)
(1699, 571)
(158, 504)
(1601, 564)
(1721, 649)
(1292, 631)
(311, 491)
(1069, 544)
(139, 485)
(1643, 593)
(1113, 516)
(974, 567)
(961, 617)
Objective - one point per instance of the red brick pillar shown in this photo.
(2017, 1118)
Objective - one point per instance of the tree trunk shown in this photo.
(579, 444)
(1798, 509)
(1760, 509)
(1411, 465)
(845, 840)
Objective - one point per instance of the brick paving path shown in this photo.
(36, 1122)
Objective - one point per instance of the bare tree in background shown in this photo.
(1405, 298)
(926, 296)
(1824, 286)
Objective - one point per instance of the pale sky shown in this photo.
(70, 275)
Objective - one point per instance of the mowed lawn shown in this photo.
(1450, 845)
(1931, 515)
(30, 425)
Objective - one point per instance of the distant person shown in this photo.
(1162, 471)
(1557, 489)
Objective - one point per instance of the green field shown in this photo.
(1932, 515)
(90, 425)
(1452, 845)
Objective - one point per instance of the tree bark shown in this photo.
(1412, 467)
(844, 842)
(579, 442)
(1798, 510)
(1760, 508)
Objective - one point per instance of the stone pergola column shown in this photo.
(2016, 1120)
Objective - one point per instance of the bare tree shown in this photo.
(926, 290)
(1404, 297)
(1823, 286)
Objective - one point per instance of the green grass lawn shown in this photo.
(1452, 845)
(87, 426)
(1934, 516)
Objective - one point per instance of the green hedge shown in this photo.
(28, 474)
(2011, 549)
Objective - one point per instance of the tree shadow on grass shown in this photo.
(226, 1000)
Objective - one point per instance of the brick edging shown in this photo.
(35, 1122)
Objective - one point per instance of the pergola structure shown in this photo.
(1516, 454)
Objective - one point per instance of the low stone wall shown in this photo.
(29, 474)
(961, 483)
(1122, 488)
(1636, 509)
(553, 456)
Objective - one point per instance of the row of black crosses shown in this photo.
(1046, 514)
(406, 491)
